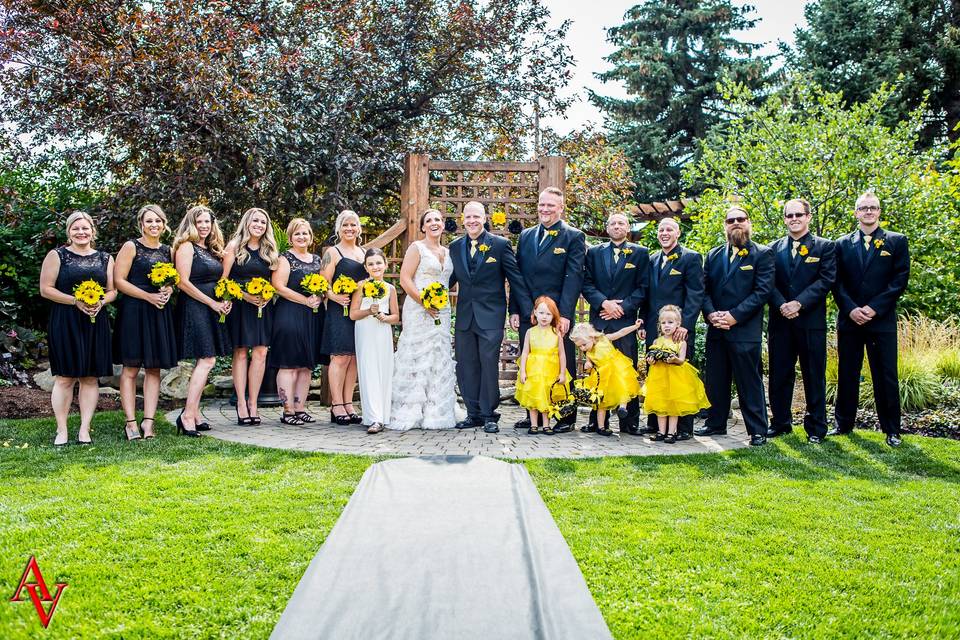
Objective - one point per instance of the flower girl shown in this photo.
(542, 364)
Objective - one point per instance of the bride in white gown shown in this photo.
(424, 371)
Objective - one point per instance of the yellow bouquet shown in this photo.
(89, 292)
(163, 274)
(344, 285)
(314, 284)
(227, 290)
(435, 296)
(374, 289)
(261, 287)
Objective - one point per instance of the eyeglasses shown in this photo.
(736, 220)
(866, 209)
(792, 216)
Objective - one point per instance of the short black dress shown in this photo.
(200, 334)
(79, 348)
(144, 335)
(338, 331)
(245, 328)
(296, 328)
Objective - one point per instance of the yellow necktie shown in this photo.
(796, 245)
(733, 253)
(616, 255)
(473, 248)
(866, 241)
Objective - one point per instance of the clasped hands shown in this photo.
(161, 297)
(722, 320)
(790, 310)
(863, 315)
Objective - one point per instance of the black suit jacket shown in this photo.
(807, 279)
(878, 282)
(743, 290)
(482, 297)
(679, 283)
(627, 281)
(553, 269)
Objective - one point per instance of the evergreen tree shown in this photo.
(671, 55)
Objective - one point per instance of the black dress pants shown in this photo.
(478, 371)
(737, 362)
(881, 348)
(786, 345)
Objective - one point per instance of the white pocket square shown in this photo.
(491, 259)
(812, 259)
(746, 267)
(674, 272)
(629, 265)
(884, 253)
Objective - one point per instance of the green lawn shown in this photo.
(180, 538)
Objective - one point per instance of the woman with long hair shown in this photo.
(144, 336)
(251, 253)
(198, 251)
(80, 348)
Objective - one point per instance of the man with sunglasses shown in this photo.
(873, 267)
(738, 279)
(806, 268)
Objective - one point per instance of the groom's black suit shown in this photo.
(481, 313)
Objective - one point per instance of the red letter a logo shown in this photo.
(38, 591)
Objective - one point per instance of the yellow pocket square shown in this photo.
(629, 265)
(812, 259)
(559, 250)
(491, 259)
(884, 253)
(674, 272)
(746, 267)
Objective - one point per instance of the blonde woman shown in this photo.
(198, 251)
(80, 348)
(343, 258)
(251, 253)
(144, 336)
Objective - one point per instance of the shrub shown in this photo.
(948, 364)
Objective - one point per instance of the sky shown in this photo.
(587, 41)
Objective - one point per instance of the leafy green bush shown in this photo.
(948, 364)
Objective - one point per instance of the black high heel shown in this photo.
(340, 420)
(243, 421)
(183, 431)
(145, 436)
(126, 431)
(354, 418)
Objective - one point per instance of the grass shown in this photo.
(206, 539)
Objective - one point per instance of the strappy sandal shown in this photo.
(548, 431)
(126, 431)
(306, 417)
(255, 420)
(151, 435)
(354, 418)
(533, 431)
(376, 427)
(291, 419)
(340, 420)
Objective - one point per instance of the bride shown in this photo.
(423, 371)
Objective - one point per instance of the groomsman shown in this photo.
(615, 285)
(738, 278)
(873, 270)
(806, 268)
(481, 264)
(550, 257)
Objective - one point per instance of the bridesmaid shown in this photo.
(374, 339)
(80, 350)
(346, 258)
(198, 250)
(297, 324)
(251, 253)
(144, 335)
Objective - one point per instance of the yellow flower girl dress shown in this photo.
(615, 376)
(543, 368)
(671, 389)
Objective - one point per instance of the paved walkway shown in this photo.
(509, 443)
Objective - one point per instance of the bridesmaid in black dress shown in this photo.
(251, 253)
(345, 257)
(144, 335)
(80, 350)
(198, 250)
(297, 324)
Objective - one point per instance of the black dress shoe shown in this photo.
(588, 428)
(683, 435)
(469, 423)
(710, 431)
(563, 428)
(814, 439)
(757, 440)
(522, 424)
(894, 440)
(837, 431)
(773, 432)
(631, 430)
(491, 427)
(648, 429)
(606, 431)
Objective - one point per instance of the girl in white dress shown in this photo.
(424, 371)
(373, 313)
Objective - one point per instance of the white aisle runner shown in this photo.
(449, 547)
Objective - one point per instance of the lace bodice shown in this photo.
(430, 269)
(75, 268)
(299, 269)
(143, 262)
(206, 267)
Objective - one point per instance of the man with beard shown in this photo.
(550, 257)
(615, 285)
(806, 270)
(738, 279)
(873, 267)
(676, 277)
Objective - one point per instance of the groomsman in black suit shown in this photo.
(806, 270)
(873, 267)
(738, 278)
(676, 277)
(615, 285)
(550, 256)
(481, 264)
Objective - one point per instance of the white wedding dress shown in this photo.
(424, 373)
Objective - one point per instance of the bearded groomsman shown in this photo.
(738, 278)
(550, 256)
(676, 277)
(615, 285)
(873, 270)
(806, 268)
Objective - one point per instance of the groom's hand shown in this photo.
(515, 321)
(564, 326)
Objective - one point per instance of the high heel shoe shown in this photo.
(340, 420)
(243, 421)
(354, 418)
(145, 435)
(183, 431)
(126, 431)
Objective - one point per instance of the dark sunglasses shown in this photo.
(791, 216)
(736, 220)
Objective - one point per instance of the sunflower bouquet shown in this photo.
(227, 290)
(163, 274)
(344, 285)
(314, 284)
(435, 296)
(89, 292)
(261, 287)
(374, 289)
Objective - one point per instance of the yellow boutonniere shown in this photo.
(803, 250)
(742, 252)
(878, 243)
(673, 256)
(627, 252)
(552, 232)
(484, 248)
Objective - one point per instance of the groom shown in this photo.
(481, 263)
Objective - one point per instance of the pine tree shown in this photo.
(671, 55)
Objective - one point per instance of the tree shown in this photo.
(300, 107)
(671, 54)
(806, 143)
(854, 46)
